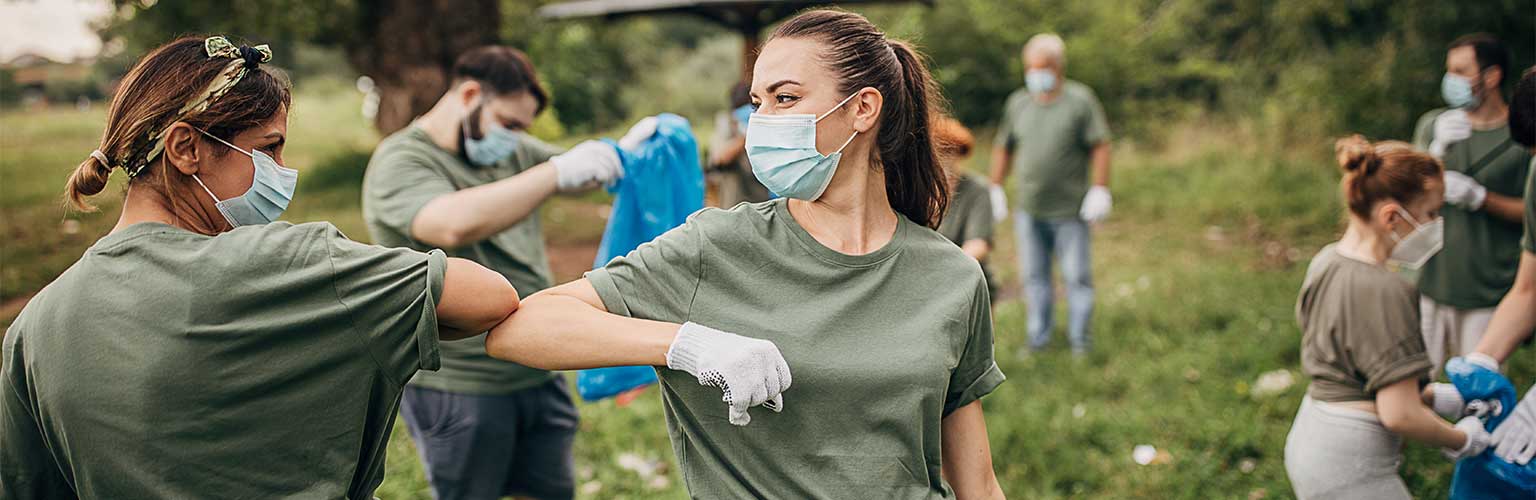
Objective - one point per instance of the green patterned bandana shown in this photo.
(216, 47)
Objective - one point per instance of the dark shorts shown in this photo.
(488, 447)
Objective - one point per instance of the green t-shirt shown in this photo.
(970, 217)
(1477, 265)
(407, 171)
(264, 362)
(1529, 242)
(1359, 329)
(879, 353)
(1051, 145)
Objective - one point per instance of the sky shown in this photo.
(56, 29)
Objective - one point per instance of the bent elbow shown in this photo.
(1395, 421)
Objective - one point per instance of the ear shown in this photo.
(1492, 76)
(1387, 214)
(866, 106)
(182, 148)
(468, 91)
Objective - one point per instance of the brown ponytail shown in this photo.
(150, 98)
(1383, 171)
(861, 56)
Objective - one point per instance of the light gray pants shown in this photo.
(1334, 452)
(1450, 331)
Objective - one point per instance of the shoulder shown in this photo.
(1080, 92)
(937, 253)
(277, 241)
(735, 223)
(1426, 121)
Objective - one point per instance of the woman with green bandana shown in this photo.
(885, 322)
(202, 350)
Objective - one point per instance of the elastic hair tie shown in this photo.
(101, 157)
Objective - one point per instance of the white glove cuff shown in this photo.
(1479, 195)
(693, 340)
(1482, 360)
(1448, 402)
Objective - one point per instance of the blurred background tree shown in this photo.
(1296, 69)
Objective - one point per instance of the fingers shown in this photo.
(776, 404)
(739, 414)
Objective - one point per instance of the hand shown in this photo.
(1516, 437)
(587, 165)
(1096, 205)
(1447, 401)
(999, 202)
(1463, 191)
(637, 134)
(1450, 127)
(750, 371)
(1477, 439)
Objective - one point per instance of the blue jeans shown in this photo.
(1068, 240)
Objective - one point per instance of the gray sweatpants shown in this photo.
(1335, 452)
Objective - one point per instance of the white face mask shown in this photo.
(1423, 242)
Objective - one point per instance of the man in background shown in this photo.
(1053, 132)
(1485, 174)
(466, 177)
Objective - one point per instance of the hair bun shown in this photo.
(1356, 155)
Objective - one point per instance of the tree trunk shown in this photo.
(408, 48)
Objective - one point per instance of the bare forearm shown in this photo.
(1509, 208)
(1515, 318)
(559, 332)
(1402, 411)
(1100, 162)
(967, 456)
(471, 215)
(1001, 163)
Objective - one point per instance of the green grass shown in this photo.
(1197, 272)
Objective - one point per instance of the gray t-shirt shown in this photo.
(1051, 145)
(265, 362)
(882, 347)
(406, 172)
(1360, 329)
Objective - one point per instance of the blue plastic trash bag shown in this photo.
(1486, 476)
(662, 185)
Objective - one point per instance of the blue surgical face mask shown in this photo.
(271, 189)
(782, 150)
(1457, 91)
(496, 143)
(1040, 81)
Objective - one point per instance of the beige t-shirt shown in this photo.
(1360, 329)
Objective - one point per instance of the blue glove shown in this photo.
(1477, 382)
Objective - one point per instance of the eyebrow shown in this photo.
(781, 83)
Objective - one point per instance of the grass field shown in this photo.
(1196, 271)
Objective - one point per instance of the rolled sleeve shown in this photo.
(391, 295)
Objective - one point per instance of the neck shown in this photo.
(144, 204)
(1492, 112)
(443, 124)
(854, 215)
(1048, 96)
(1363, 243)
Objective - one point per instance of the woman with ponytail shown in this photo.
(202, 350)
(886, 323)
(1360, 343)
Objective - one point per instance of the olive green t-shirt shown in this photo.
(1051, 145)
(265, 362)
(970, 218)
(882, 346)
(1477, 265)
(1529, 241)
(407, 171)
(1359, 329)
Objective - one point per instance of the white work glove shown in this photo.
(1448, 402)
(750, 371)
(1096, 204)
(1463, 191)
(1482, 360)
(637, 134)
(999, 202)
(1516, 437)
(587, 165)
(1477, 439)
(1450, 127)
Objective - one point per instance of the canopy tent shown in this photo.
(746, 17)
